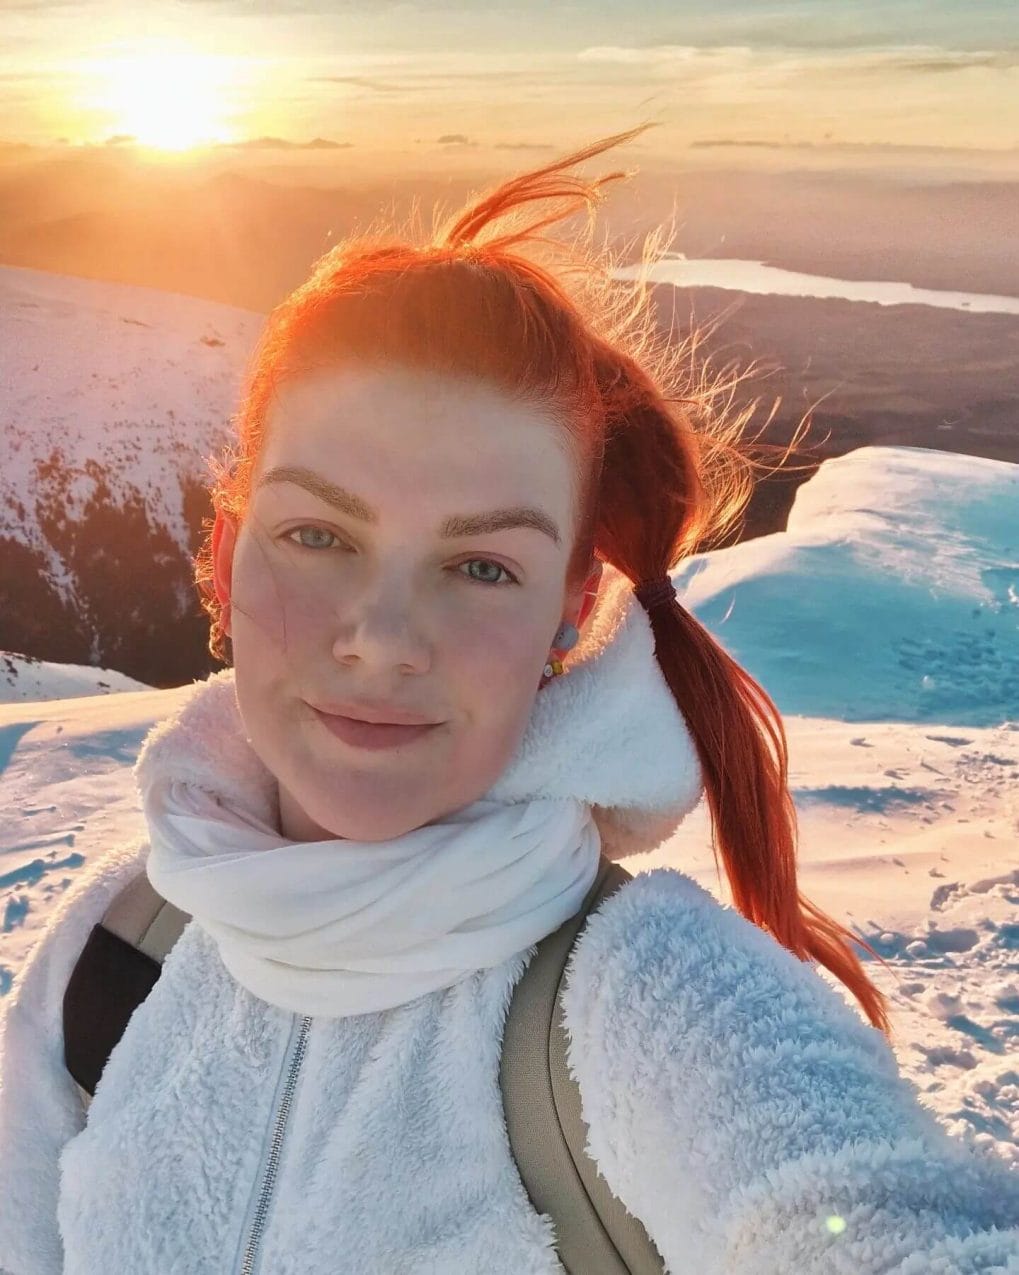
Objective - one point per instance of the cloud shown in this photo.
(955, 60)
(282, 144)
(359, 81)
(706, 143)
(440, 81)
(696, 64)
(328, 8)
(24, 77)
(41, 6)
(665, 54)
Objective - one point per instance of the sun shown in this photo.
(168, 99)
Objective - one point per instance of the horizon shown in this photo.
(737, 85)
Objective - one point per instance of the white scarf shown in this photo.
(606, 765)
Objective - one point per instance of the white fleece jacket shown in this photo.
(735, 1103)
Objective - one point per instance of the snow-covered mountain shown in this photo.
(904, 758)
(111, 399)
(28, 680)
(902, 562)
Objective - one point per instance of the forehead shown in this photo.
(396, 433)
(394, 396)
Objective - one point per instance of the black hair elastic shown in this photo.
(654, 593)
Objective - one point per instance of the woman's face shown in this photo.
(356, 575)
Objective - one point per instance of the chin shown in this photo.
(356, 823)
(367, 829)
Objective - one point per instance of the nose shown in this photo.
(380, 632)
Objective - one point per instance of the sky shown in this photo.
(176, 73)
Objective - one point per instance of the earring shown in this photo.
(565, 638)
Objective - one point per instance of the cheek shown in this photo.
(496, 683)
(497, 672)
(504, 652)
(270, 610)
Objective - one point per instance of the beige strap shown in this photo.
(595, 1233)
(142, 917)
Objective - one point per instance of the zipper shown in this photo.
(261, 1211)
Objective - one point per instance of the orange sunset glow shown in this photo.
(169, 99)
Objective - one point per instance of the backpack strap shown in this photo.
(595, 1234)
(118, 967)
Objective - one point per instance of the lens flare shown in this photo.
(170, 99)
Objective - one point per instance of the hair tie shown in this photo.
(655, 593)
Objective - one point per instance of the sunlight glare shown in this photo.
(168, 99)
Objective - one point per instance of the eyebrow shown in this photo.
(455, 526)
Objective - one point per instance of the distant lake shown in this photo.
(754, 276)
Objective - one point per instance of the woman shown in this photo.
(312, 1084)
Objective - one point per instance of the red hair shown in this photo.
(661, 470)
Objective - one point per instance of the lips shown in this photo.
(372, 735)
(375, 713)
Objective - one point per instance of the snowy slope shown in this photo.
(893, 593)
(26, 679)
(144, 378)
(909, 821)
(111, 399)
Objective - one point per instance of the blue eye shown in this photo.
(308, 536)
(499, 567)
(320, 531)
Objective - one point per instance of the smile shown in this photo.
(371, 735)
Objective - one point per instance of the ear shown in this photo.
(224, 540)
(589, 595)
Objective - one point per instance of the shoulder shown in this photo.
(662, 940)
(39, 984)
(733, 1097)
(40, 1107)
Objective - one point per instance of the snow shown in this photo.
(884, 622)
(164, 373)
(25, 678)
(899, 559)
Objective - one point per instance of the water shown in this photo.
(754, 276)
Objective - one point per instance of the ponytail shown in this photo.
(652, 505)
